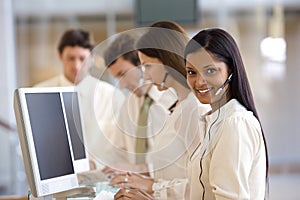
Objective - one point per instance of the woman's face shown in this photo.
(205, 75)
(154, 69)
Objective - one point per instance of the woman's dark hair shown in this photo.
(165, 40)
(222, 45)
(76, 37)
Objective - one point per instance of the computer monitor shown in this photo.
(182, 12)
(51, 137)
(76, 130)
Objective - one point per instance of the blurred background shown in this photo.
(267, 32)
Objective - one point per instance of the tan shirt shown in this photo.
(100, 102)
(124, 136)
(172, 147)
(56, 81)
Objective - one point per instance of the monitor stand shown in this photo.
(82, 191)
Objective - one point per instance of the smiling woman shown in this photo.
(208, 78)
(233, 155)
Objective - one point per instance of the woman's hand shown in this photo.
(132, 180)
(137, 194)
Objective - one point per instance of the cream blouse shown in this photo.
(230, 163)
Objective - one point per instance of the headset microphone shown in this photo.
(163, 83)
(222, 87)
(142, 80)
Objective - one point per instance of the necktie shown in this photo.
(141, 135)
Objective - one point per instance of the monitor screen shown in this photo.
(182, 12)
(71, 104)
(49, 134)
(51, 138)
(76, 130)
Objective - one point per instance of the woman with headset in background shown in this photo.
(160, 51)
(231, 162)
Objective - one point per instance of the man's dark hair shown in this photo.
(122, 46)
(76, 37)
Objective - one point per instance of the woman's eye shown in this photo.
(211, 71)
(190, 72)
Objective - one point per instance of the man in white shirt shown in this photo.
(95, 96)
(74, 48)
(123, 63)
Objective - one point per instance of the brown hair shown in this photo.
(166, 40)
(122, 46)
(76, 37)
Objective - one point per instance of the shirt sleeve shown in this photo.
(232, 158)
(170, 189)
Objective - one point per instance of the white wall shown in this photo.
(7, 86)
(49, 7)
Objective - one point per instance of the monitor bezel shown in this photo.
(80, 165)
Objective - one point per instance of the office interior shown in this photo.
(267, 32)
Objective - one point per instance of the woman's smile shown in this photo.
(203, 91)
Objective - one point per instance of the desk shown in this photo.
(13, 198)
(93, 185)
(97, 191)
(98, 180)
(100, 191)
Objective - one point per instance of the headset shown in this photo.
(142, 79)
(202, 156)
(223, 86)
(163, 83)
